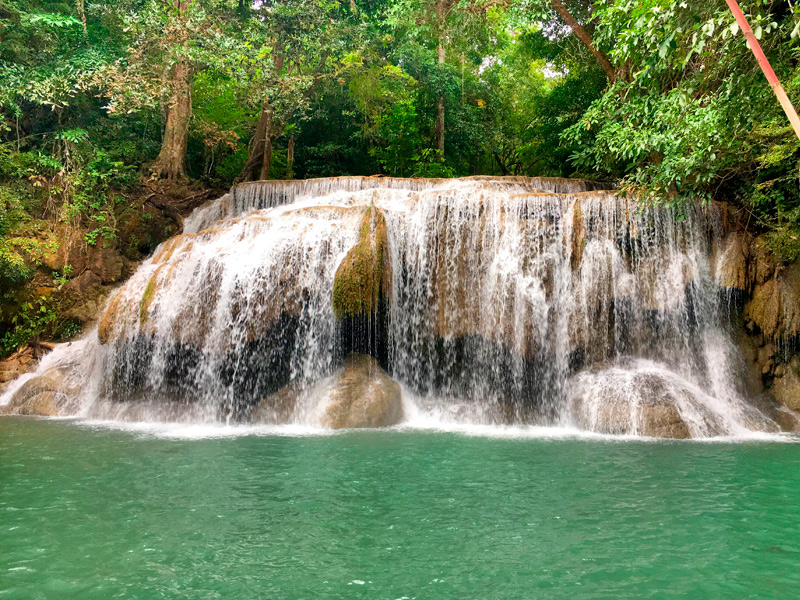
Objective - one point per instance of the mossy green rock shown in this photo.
(364, 274)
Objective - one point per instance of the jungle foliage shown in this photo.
(664, 98)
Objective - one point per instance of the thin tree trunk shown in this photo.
(267, 158)
(585, 37)
(441, 14)
(255, 159)
(290, 159)
(170, 163)
(79, 5)
(440, 115)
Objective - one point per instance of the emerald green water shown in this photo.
(100, 513)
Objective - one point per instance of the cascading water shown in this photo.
(503, 300)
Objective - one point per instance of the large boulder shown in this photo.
(654, 419)
(363, 395)
(625, 401)
(48, 394)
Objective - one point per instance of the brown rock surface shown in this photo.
(786, 389)
(733, 261)
(775, 304)
(363, 395)
(278, 407)
(19, 363)
(644, 404)
(659, 418)
(46, 394)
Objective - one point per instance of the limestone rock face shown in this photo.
(775, 304)
(786, 388)
(733, 262)
(363, 395)
(104, 263)
(48, 394)
(280, 287)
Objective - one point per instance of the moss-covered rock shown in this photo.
(365, 273)
(147, 298)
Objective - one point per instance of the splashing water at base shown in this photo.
(501, 301)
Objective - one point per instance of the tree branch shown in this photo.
(584, 37)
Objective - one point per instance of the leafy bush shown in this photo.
(13, 270)
(429, 164)
(93, 189)
(11, 210)
(35, 318)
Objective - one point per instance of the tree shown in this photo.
(294, 36)
(696, 119)
(171, 161)
(443, 8)
(455, 28)
(542, 10)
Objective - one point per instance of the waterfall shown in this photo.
(507, 301)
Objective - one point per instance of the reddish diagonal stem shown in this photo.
(788, 108)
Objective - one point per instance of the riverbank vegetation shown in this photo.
(117, 118)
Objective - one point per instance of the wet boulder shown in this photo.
(625, 401)
(48, 394)
(363, 395)
(278, 408)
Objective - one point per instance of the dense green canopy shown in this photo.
(662, 97)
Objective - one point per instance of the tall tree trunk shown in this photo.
(266, 163)
(170, 163)
(260, 158)
(585, 37)
(290, 159)
(441, 15)
(255, 159)
(79, 5)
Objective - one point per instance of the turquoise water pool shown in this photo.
(97, 512)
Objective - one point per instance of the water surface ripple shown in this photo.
(89, 512)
